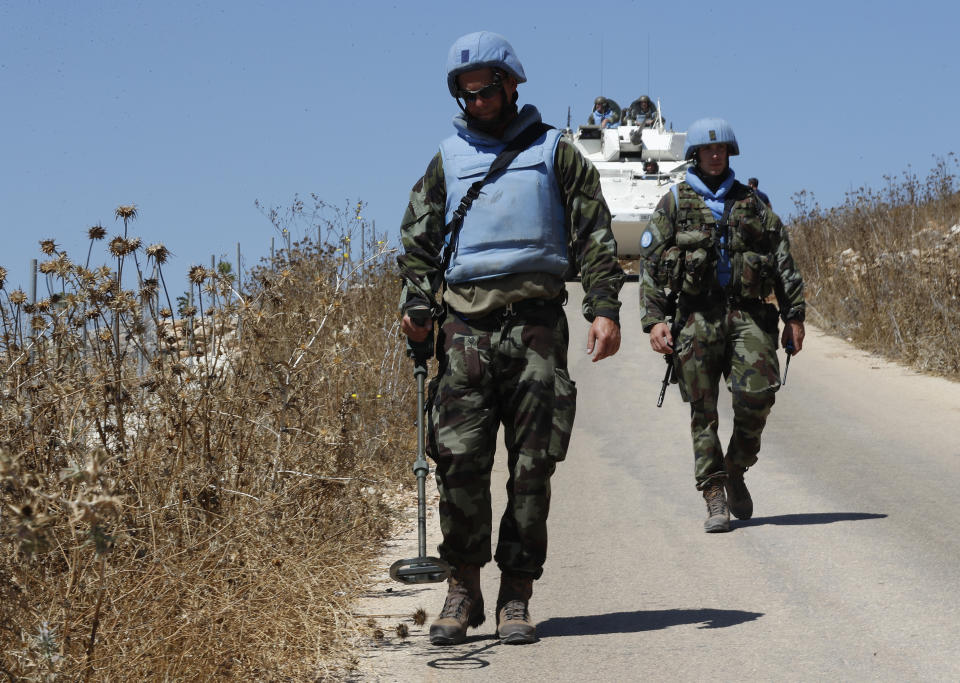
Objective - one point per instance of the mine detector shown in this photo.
(619, 154)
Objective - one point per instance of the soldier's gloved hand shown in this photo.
(416, 333)
(793, 331)
(661, 340)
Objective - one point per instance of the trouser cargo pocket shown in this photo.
(564, 411)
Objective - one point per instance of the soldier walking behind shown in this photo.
(720, 252)
(502, 342)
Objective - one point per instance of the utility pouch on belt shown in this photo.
(755, 275)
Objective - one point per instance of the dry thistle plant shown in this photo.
(883, 270)
(186, 496)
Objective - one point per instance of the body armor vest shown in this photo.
(691, 265)
(516, 224)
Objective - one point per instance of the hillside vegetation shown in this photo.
(883, 269)
(195, 489)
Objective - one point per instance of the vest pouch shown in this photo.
(671, 268)
(755, 274)
(746, 233)
(696, 238)
(695, 269)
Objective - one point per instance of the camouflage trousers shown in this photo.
(506, 369)
(741, 345)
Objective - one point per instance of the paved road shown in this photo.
(850, 569)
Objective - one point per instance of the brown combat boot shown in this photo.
(514, 626)
(718, 516)
(738, 496)
(462, 609)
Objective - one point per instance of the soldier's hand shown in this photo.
(416, 333)
(661, 340)
(793, 331)
(604, 336)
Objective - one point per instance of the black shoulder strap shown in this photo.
(727, 205)
(509, 153)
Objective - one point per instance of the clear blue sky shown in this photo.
(194, 110)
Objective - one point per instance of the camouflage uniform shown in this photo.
(731, 331)
(502, 348)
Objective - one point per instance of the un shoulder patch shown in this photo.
(646, 239)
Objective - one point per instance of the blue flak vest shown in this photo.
(517, 224)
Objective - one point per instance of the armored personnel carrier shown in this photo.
(620, 155)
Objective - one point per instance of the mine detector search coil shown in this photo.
(421, 569)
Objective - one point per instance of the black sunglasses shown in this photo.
(486, 92)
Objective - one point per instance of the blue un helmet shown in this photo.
(704, 132)
(481, 50)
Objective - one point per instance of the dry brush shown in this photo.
(197, 490)
(883, 269)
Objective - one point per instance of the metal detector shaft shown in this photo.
(420, 466)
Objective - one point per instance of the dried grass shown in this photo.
(196, 497)
(883, 269)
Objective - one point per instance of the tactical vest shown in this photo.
(691, 265)
(517, 223)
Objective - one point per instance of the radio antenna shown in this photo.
(648, 64)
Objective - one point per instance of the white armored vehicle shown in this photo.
(620, 155)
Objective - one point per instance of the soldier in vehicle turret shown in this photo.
(642, 112)
(496, 291)
(606, 113)
(720, 252)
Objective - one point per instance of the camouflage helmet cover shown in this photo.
(600, 100)
(709, 131)
(481, 50)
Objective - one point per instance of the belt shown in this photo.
(517, 309)
(716, 298)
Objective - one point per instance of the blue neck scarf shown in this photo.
(713, 200)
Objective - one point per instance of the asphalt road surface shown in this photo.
(849, 569)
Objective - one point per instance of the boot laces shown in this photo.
(515, 610)
(454, 605)
(715, 502)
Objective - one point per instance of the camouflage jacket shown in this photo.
(679, 254)
(591, 244)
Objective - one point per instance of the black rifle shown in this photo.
(670, 359)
